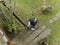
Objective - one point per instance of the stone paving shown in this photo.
(2, 41)
(40, 37)
(56, 17)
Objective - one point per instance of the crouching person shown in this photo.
(32, 23)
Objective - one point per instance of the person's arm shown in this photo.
(28, 23)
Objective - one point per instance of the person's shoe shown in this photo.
(32, 28)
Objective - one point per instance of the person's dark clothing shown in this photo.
(33, 22)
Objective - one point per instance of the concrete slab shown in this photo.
(58, 14)
(43, 35)
(51, 21)
(55, 18)
(1, 32)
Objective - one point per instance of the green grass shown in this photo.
(24, 9)
(54, 38)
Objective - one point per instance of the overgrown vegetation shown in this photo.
(25, 8)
